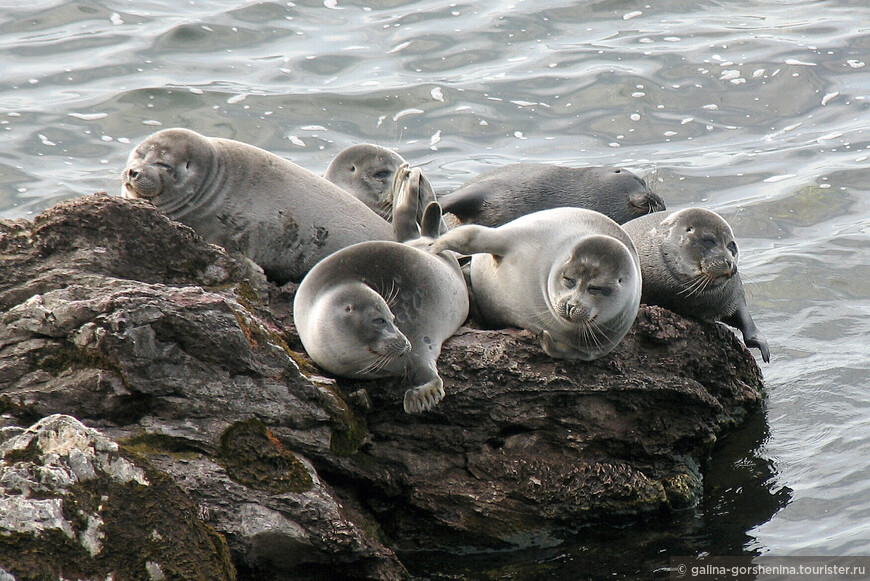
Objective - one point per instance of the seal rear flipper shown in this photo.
(431, 224)
(405, 204)
(742, 320)
(465, 203)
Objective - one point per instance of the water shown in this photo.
(757, 109)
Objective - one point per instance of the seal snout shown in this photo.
(575, 312)
(720, 270)
(138, 182)
(646, 202)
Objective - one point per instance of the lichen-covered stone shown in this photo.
(74, 506)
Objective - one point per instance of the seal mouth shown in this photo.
(646, 203)
(393, 350)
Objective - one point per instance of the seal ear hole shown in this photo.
(348, 309)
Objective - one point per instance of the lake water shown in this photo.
(759, 110)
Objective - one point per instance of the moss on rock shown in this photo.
(254, 457)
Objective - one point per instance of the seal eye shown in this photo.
(382, 174)
(708, 243)
(600, 291)
(569, 282)
(379, 322)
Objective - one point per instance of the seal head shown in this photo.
(367, 171)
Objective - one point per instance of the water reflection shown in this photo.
(741, 491)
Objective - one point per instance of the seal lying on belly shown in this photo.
(506, 193)
(689, 264)
(380, 309)
(277, 214)
(569, 275)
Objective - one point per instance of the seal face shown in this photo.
(366, 171)
(503, 194)
(569, 275)
(252, 202)
(689, 264)
(378, 309)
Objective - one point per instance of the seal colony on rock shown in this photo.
(381, 309)
(569, 275)
(253, 203)
(689, 264)
(503, 194)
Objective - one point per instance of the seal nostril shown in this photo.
(133, 174)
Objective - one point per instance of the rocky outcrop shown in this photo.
(76, 506)
(114, 315)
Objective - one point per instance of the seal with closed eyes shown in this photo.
(569, 275)
(255, 204)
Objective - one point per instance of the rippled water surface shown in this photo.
(757, 109)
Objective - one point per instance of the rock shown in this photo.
(113, 314)
(73, 505)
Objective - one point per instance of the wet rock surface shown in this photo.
(114, 315)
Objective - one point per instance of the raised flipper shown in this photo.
(412, 195)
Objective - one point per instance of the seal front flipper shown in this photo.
(473, 239)
(557, 349)
(423, 398)
(742, 320)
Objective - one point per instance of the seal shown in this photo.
(503, 194)
(689, 264)
(366, 171)
(381, 308)
(255, 204)
(569, 275)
